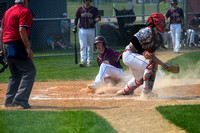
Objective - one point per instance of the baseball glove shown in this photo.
(171, 67)
(3, 62)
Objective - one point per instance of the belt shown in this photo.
(86, 28)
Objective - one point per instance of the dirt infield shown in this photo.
(127, 114)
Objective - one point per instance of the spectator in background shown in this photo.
(65, 29)
(176, 16)
(14, 31)
(194, 29)
(59, 42)
(88, 16)
(50, 41)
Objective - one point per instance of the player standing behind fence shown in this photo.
(108, 61)
(176, 16)
(15, 28)
(88, 16)
(140, 57)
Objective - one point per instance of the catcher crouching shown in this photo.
(139, 56)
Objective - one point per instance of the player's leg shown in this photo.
(90, 46)
(177, 38)
(172, 29)
(106, 70)
(137, 64)
(83, 44)
(149, 79)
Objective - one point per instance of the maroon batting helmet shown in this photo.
(100, 39)
(174, 2)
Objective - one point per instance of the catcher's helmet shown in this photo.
(85, 0)
(100, 39)
(158, 20)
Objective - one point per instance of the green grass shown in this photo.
(64, 68)
(189, 65)
(53, 122)
(185, 116)
(108, 10)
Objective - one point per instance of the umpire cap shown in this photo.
(20, 1)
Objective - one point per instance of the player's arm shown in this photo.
(156, 60)
(138, 46)
(24, 37)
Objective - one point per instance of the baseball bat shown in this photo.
(75, 50)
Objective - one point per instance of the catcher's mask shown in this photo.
(100, 39)
(86, 0)
(158, 20)
(3, 62)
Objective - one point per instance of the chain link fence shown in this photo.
(120, 20)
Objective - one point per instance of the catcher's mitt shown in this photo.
(171, 67)
(3, 62)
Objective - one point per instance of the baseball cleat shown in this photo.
(148, 95)
(82, 64)
(122, 92)
(92, 86)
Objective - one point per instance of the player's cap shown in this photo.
(64, 14)
(20, 1)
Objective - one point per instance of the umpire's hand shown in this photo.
(75, 29)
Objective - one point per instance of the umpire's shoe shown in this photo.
(23, 104)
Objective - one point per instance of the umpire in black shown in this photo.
(15, 28)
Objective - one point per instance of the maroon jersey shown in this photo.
(175, 15)
(111, 56)
(87, 16)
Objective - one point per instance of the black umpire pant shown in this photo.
(22, 78)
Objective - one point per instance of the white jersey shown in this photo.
(148, 39)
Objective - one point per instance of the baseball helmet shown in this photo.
(100, 39)
(85, 0)
(174, 2)
(158, 20)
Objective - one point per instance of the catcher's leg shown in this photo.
(149, 78)
(130, 87)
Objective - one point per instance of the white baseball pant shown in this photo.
(86, 39)
(175, 35)
(139, 67)
(107, 70)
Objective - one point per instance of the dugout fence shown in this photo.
(117, 33)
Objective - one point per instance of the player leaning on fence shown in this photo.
(88, 16)
(15, 28)
(140, 57)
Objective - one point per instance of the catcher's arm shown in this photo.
(170, 67)
(158, 61)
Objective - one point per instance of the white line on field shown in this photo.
(113, 98)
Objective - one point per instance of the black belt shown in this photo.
(87, 28)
